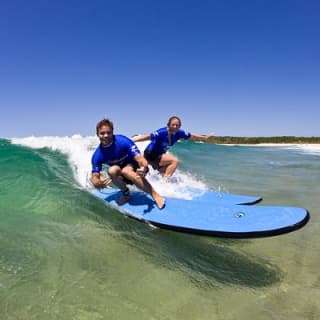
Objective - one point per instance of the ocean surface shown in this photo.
(65, 255)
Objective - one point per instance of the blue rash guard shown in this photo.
(160, 142)
(121, 152)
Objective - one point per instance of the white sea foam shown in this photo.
(303, 148)
(313, 149)
(79, 150)
(180, 185)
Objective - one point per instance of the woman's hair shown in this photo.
(174, 118)
(104, 122)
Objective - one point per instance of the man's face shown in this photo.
(105, 135)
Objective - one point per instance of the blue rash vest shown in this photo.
(121, 152)
(160, 142)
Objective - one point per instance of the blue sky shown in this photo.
(242, 68)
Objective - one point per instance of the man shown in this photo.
(126, 164)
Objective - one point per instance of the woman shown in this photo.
(161, 140)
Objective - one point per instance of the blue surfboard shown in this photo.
(227, 198)
(213, 218)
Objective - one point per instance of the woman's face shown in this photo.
(174, 125)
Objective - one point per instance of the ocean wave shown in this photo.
(312, 149)
(79, 149)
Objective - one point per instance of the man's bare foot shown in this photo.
(160, 202)
(125, 197)
(123, 200)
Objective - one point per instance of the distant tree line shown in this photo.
(257, 140)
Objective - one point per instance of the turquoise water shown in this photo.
(65, 255)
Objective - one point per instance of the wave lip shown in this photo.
(79, 150)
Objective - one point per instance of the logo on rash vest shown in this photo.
(134, 149)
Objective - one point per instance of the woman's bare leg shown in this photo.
(168, 165)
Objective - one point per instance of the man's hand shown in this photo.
(104, 182)
(142, 171)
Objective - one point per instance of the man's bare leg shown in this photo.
(143, 184)
(115, 174)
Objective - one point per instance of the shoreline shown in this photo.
(308, 148)
(296, 140)
(279, 144)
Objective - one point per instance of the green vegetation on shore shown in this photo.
(257, 140)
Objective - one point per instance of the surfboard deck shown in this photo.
(213, 218)
(229, 198)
